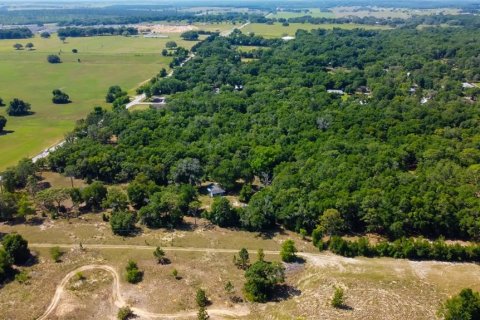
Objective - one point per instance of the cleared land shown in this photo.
(375, 288)
(104, 61)
(277, 30)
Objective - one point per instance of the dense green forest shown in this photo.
(398, 154)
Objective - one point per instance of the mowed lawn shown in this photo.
(104, 61)
(277, 30)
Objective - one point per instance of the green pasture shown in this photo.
(104, 61)
(277, 30)
(314, 12)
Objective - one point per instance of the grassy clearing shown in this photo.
(277, 30)
(90, 229)
(379, 288)
(314, 12)
(248, 48)
(105, 61)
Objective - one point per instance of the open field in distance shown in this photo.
(104, 61)
(277, 30)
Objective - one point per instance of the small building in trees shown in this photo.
(335, 91)
(215, 190)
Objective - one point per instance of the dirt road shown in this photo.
(120, 302)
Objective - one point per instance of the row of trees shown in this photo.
(403, 248)
(98, 31)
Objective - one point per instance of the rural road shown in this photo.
(143, 247)
(120, 302)
(138, 100)
(228, 32)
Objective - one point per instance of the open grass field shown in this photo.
(314, 12)
(277, 30)
(104, 61)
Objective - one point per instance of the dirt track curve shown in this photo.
(120, 302)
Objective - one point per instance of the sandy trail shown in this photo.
(120, 302)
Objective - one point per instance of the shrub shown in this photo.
(202, 314)
(159, 254)
(122, 223)
(133, 275)
(287, 253)
(56, 254)
(5, 265)
(201, 298)
(465, 305)
(243, 260)
(124, 313)
(22, 277)
(175, 274)
(16, 247)
(261, 280)
(338, 300)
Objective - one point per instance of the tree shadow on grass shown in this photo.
(284, 292)
(26, 114)
(6, 132)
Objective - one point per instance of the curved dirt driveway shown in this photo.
(120, 302)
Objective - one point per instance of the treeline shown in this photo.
(113, 15)
(404, 248)
(92, 32)
(387, 162)
(393, 22)
(468, 21)
(15, 33)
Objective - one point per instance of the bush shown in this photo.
(159, 254)
(287, 253)
(16, 247)
(222, 213)
(465, 305)
(124, 313)
(201, 298)
(261, 280)
(5, 265)
(202, 314)
(122, 223)
(175, 274)
(133, 275)
(53, 58)
(22, 277)
(338, 300)
(243, 260)
(56, 254)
